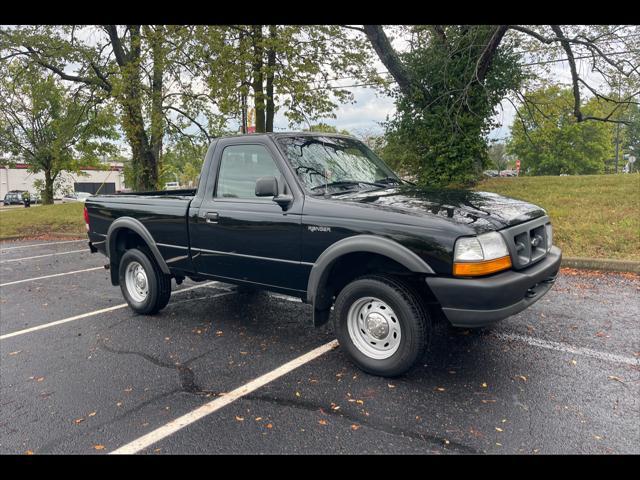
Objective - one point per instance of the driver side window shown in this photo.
(240, 168)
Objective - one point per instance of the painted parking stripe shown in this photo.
(91, 314)
(44, 244)
(42, 256)
(566, 348)
(50, 276)
(220, 402)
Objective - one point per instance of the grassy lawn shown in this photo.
(48, 220)
(593, 215)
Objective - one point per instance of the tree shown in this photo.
(51, 127)
(498, 156)
(324, 128)
(289, 67)
(142, 68)
(183, 161)
(451, 78)
(549, 140)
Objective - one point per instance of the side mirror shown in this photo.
(266, 187)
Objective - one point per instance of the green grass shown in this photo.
(50, 220)
(593, 215)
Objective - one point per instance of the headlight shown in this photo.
(549, 230)
(481, 255)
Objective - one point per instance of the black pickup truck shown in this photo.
(321, 217)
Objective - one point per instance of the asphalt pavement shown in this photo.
(81, 373)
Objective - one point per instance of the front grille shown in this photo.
(527, 242)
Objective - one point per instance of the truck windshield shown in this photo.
(335, 164)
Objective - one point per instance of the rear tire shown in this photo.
(382, 324)
(145, 288)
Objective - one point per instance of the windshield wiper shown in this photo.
(389, 180)
(340, 183)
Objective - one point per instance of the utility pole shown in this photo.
(618, 129)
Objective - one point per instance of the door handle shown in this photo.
(211, 217)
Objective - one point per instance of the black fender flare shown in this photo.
(316, 291)
(130, 223)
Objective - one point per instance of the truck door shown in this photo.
(237, 235)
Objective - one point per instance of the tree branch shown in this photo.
(389, 57)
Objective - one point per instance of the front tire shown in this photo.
(382, 325)
(145, 288)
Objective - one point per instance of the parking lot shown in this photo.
(81, 373)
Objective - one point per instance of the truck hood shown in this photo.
(481, 211)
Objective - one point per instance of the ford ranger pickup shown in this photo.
(321, 217)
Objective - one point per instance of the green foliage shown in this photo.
(49, 127)
(439, 131)
(548, 139)
(182, 162)
(324, 128)
(306, 59)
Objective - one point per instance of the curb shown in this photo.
(604, 264)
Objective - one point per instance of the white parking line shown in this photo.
(208, 408)
(50, 276)
(91, 314)
(44, 244)
(42, 256)
(566, 348)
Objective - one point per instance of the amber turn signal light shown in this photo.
(476, 269)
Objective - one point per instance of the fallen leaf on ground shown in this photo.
(29, 452)
(522, 377)
(484, 385)
(617, 379)
(240, 419)
(99, 447)
(269, 425)
(39, 379)
(15, 353)
(440, 389)
(322, 422)
(498, 429)
(257, 419)
(391, 385)
(297, 394)
(92, 414)
(78, 420)
(573, 362)
(355, 427)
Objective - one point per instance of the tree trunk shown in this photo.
(157, 117)
(47, 194)
(271, 65)
(144, 161)
(258, 77)
(389, 57)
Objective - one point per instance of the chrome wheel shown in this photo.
(137, 282)
(374, 328)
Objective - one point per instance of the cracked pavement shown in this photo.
(97, 383)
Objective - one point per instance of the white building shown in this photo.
(90, 179)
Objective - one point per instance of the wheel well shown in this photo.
(348, 267)
(125, 239)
